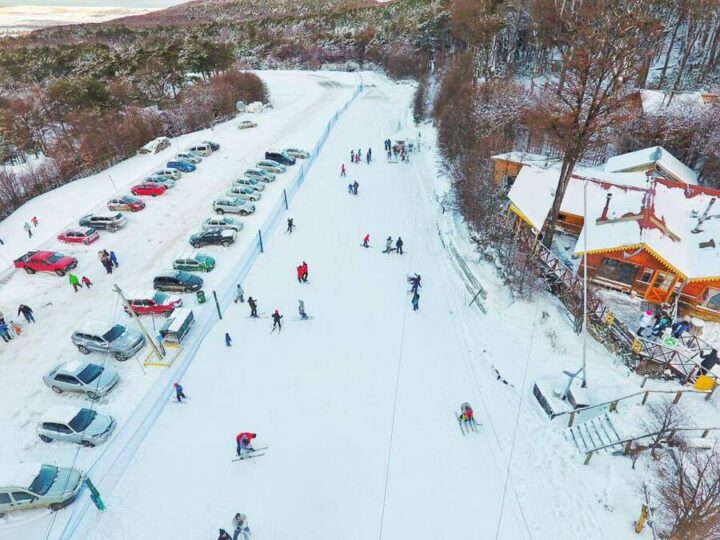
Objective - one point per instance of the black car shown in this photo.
(215, 235)
(177, 281)
(280, 157)
(213, 145)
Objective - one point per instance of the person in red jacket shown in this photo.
(366, 241)
(304, 271)
(299, 270)
(244, 441)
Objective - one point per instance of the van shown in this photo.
(177, 326)
(201, 149)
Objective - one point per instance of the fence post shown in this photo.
(712, 391)
(588, 456)
(677, 397)
(705, 433)
(628, 447)
(260, 240)
(285, 198)
(572, 419)
(217, 305)
(613, 406)
(645, 398)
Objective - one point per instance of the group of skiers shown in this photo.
(302, 272)
(240, 526)
(12, 329)
(28, 228)
(398, 245)
(414, 286)
(353, 188)
(356, 157)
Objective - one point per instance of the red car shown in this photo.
(148, 188)
(81, 235)
(126, 203)
(154, 303)
(46, 261)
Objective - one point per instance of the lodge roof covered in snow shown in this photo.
(657, 157)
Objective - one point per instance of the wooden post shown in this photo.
(572, 419)
(677, 397)
(711, 392)
(588, 456)
(613, 406)
(705, 433)
(628, 447)
(645, 398)
(642, 384)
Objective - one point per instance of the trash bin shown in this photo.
(201, 297)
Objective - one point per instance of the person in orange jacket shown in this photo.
(244, 442)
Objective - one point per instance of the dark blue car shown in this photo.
(184, 166)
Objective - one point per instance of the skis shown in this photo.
(307, 318)
(256, 452)
(464, 425)
(274, 327)
(363, 245)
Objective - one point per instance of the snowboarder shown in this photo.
(366, 240)
(680, 327)
(34, 221)
(179, 394)
(228, 340)
(244, 442)
(352, 156)
(304, 272)
(350, 189)
(86, 281)
(28, 229)
(646, 322)
(355, 187)
(399, 245)
(343, 170)
(415, 283)
(4, 333)
(26, 312)
(224, 535)
(73, 279)
(710, 360)
(290, 226)
(388, 245)
(301, 310)
(276, 321)
(240, 294)
(253, 306)
(415, 301)
(240, 522)
(113, 259)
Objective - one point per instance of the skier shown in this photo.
(352, 156)
(299, 271)
(86, 281)
(355, 187)
(240, 522)
(415, 283)
(357, 158)
(253, 306)
(350, 189)
(710, 360)
(343, 170)
(4, 332)
(240, 294)
(301, 310)
(73, 279)
(304, 272)
(113, 259)
(646, 322)
(228, 340)
(1, 242)
(290, 226)
(26, 312)
(369, 156)
(179, 394)
(467, 416)
(389, 154)
(224, 535)
(399, 245)
(415, 301)
(366, 240)
(244, 442)
(34, 221)
(388, 245)
(28, 230)
(276, 321)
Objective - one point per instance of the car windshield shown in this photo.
(160, 297)
(44, 480)
(114, 333)
(183, 276)
(55, 257)
(127, 199)
(90, 373)
(89, 231)
(83, 419)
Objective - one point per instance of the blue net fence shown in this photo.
(110, 465)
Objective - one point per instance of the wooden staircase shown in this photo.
(594, 433)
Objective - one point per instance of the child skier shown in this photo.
(276, 321)
(179, 394)
(228, 340)
(244, 442)
(350, 189)
(290, 226)
(343, 170)
(28, 229)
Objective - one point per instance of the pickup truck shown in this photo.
(46, 261)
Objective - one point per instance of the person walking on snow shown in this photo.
(86, 281)
(276, 321)
(26, 312)
(343, 170)
(73, 279)
(350, 189)
(710, 360)
(105, 261)
(388, 245)
(415, 283)
(399, 245)
(355, 187)
(415, 301)
(646, 322)
(301, 310)
(113, 259)
(240, 523)
(179, 394)
(34, 221)
(244, 442)
(240, 294)
(369, 156)
(366, 240)
(253, 306)
(28, 229)
(4, 333)
(290, 226)
(228, 340)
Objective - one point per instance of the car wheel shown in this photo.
(29, 270)
(45, 438)
(167, 314)
(88, 444)
(226, 243)
(56, 389)
(243, 213)
(92, 395)
(83, 349)
(60, 273)
(154, 195)
(196, 245)
(220, 211)
(120, 357)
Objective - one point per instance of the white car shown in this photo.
(200, 149)
(271, 166)
(222, 222)
(187, 156)
(249, 182)
(160, 180)
(260, 174)
(244, 193)
(76, 425)
(245, 124)
(297, 153)
(172, 174)
(233, 205)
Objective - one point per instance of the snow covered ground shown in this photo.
(357, 404)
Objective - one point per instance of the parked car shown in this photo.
(177, 281)
(245, 124)
(83, 377)
(187, 156)
(80, 235)
(203, 150)
(271, 166)
(184, 166)
(105, 337)
(213, 145)
(172, 174)
(215, 236)
(46, 261)
(233, 205)
(106, 222)
(196, 263)
(260, 174)
(126, 203)
(297, 153)
(222, 222)
(29, 485)
(148, 188)
(161, 181)
(77, 425)
(153, 303)
(249, 182)
(245, 193)
(280, 156)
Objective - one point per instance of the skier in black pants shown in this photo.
(399, 245)
(253, 306)
(355, 187)
(276, 321)
(291, 225)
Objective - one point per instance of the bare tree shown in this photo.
(662, 419)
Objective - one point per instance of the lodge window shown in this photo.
(510, 180)
(619, 271)
(647, 275)
(712, 299)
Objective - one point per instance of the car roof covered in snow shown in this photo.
(83, 230)
(655, 155)
(60, 413)
(93, 326)
(73, 366)
(18, 474)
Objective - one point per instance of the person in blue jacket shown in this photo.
(228, 340)
(680, 327)
(179, 394)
